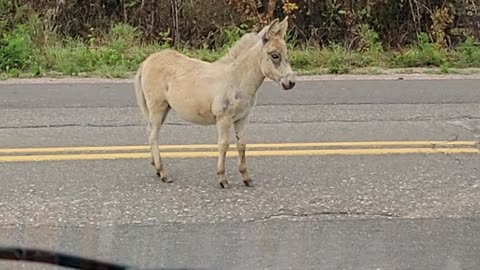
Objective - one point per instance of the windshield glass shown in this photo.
(241, 134)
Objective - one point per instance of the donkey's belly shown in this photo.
(193, 115)
(189, 104)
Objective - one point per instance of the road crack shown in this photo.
(364, 103)
(87, 106)
(41, 126)
(277, 122)
(324, 213)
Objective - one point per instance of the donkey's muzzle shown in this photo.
(289, 85)
(288, 82)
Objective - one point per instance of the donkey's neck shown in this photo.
(247, 72)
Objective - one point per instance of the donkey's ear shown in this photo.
(277, 28)
(283, 26)
(272, 23)
(271, 30)
(263, 31)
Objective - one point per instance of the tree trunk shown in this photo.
(175, 11)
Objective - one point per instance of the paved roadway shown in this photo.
(401, 192)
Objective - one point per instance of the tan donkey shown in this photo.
(221, 93)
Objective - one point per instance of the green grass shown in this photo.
(117, 54)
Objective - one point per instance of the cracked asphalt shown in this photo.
(408, 211)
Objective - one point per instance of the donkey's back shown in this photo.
(168, 63)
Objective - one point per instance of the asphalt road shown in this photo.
(401, 192)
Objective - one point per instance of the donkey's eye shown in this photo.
(275, 56)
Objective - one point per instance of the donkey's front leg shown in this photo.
(223, 128)
(240, 133)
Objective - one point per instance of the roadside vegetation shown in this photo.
(35, 43)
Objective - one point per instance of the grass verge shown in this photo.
(23, 53)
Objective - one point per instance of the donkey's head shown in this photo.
(274, 58)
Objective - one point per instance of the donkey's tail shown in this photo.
(142, 103)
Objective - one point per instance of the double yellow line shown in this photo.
(254, 150)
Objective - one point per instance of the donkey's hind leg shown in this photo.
(157, 117)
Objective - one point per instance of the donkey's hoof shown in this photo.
(225, 184)
(166, 180)
(248, 182)
(153, 163)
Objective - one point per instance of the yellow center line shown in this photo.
(316, 152)
(250, 146)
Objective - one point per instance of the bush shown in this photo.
(424, 54)
(16, 50)
(200, 22)
(469, 53)
(33, 44)
(338, 61)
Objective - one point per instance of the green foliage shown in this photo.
(425, 54)
(233, 34)
(445, 67)
(369, 39)
(396, 23)
(9, 16)
(123, 36)
(226, 37)
(32, 45)
(469, 52)
(310, 60)
(16, 50)
(72, 59)
(337, 63)
(300, 58)
(370, 46)
(5, 11)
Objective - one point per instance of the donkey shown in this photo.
(220, 93)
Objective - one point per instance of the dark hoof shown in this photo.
(248, 182)
(153, 163)
(224, 184)
(158, 174)
(166, 180)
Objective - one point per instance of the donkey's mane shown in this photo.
(247, 41)
(243, 44)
